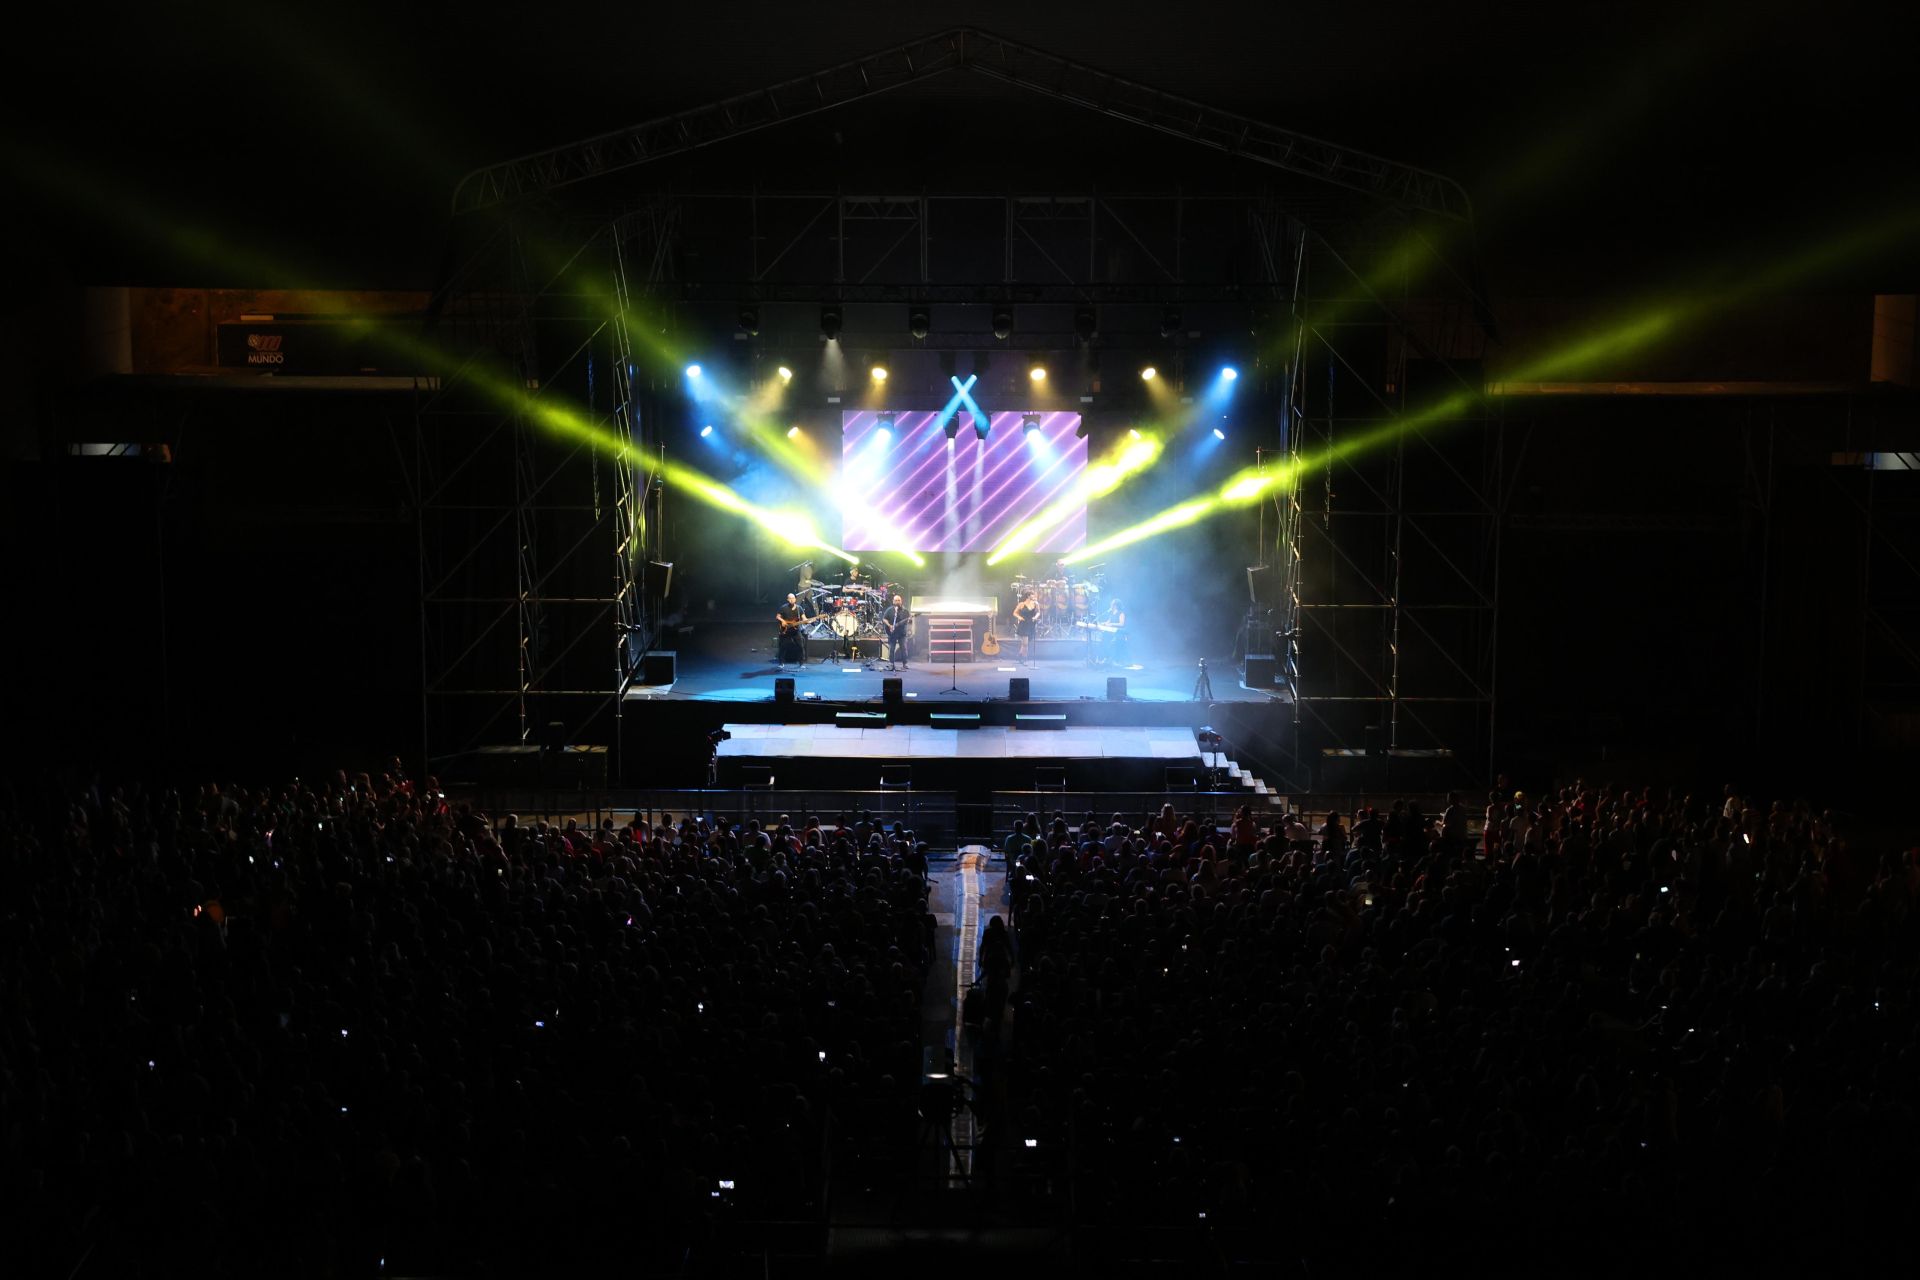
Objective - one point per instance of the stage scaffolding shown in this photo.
(535, 542)
(1387, 521)
(1382, 543)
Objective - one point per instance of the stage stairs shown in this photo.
(1258, 791)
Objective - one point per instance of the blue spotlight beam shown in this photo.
(1221, 390)
(962, 392)
(981, 422)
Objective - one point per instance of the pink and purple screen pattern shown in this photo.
(911, 490)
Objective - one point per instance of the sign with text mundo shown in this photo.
(316, 347)
(904, 486)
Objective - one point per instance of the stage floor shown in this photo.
(912, 742)
(715, 670)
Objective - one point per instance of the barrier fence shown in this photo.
(940, 816)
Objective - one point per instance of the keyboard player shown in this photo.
(1113, 634)
(1118, 650)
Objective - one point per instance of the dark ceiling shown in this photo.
(1607, 146)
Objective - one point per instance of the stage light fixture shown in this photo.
(885, 425)
(750, 321)
(878, 373)
(1002, 324)
(1228, 373)
(1037, 372)
(1149, 373)
(1170, 322)
(982, 426)
(953, 427)
(830, 320)
(706, 432)
(1085, 323)
(1080, 432)
(793, 432)
(786, 374)
(1133, 433)
(693, 371)
(919, 321)
(1029, 423)
(1218, 434)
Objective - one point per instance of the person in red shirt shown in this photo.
(1245, 831)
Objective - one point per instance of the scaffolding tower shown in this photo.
(531, 471)
(1388, 522)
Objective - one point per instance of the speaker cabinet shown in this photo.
(1116, 688)
(1018, 690)
(783, 689)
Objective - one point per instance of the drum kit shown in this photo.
(1063, 599)
(845, 610)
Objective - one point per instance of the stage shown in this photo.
(734, 663)
(974, 761)
(916, 742)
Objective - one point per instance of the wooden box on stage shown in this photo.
(937, 620)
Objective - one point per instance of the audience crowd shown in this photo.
(348, 1029)
(1589, 1031)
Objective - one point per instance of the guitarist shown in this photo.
(1026, 616)
(792, 645)
(899, 625)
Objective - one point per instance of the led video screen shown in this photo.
(908, 488)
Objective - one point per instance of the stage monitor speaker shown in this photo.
(1019, 690)
(659, 666)
(1262, 671)
(783, 689)
(890, 691)
(1116, 688)
(554, 736)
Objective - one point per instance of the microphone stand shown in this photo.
(953, 672)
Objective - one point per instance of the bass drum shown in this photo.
(845, 624)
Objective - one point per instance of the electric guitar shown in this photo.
(790, 624)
